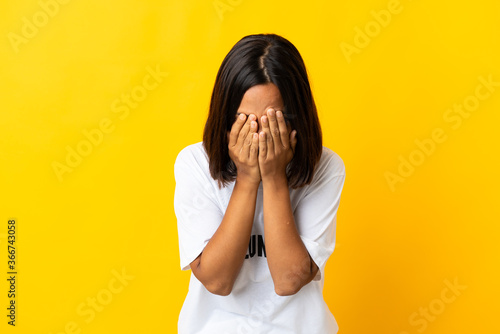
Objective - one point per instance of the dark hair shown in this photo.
(256, 60)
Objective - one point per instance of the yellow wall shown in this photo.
(406, 230)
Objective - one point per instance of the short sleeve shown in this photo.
(195, 204)
(316, 212)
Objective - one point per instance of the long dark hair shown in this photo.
(256, 60)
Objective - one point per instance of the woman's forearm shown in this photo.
(289, 262)
(218, 265)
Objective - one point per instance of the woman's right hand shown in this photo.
(244, 148)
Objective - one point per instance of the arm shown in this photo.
(290, 264)
(217, 267)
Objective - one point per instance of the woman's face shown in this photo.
(258, 99)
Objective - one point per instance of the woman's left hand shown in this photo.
(276, 145)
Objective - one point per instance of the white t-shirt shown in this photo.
(253, 306)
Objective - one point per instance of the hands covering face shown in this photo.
(264, 155)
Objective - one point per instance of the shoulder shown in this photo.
(192, 158)
(329, 167)
(330, 163)
(194, 153)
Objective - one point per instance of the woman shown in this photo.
(256, 201)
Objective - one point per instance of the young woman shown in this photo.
(256, 201)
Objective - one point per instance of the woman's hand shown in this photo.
(244, 147)
(276, 145)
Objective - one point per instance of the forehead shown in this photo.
(258, 98)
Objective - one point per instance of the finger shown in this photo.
(262, 146)
(235, 129)
(243, 132)
(254, 148)
(253, 124)
(249, 139)
(284, 134)
(268, 137)
(273, 126)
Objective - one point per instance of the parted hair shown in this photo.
(255, 60)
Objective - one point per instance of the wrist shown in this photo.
(275, 181)
(247, 182)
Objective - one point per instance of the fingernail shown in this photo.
(279, 113)
(264, 119)
(270, 112)
(242, 116)
(261, 134)
(252, 117)
(253, 125)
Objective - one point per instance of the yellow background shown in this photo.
(396, 246)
